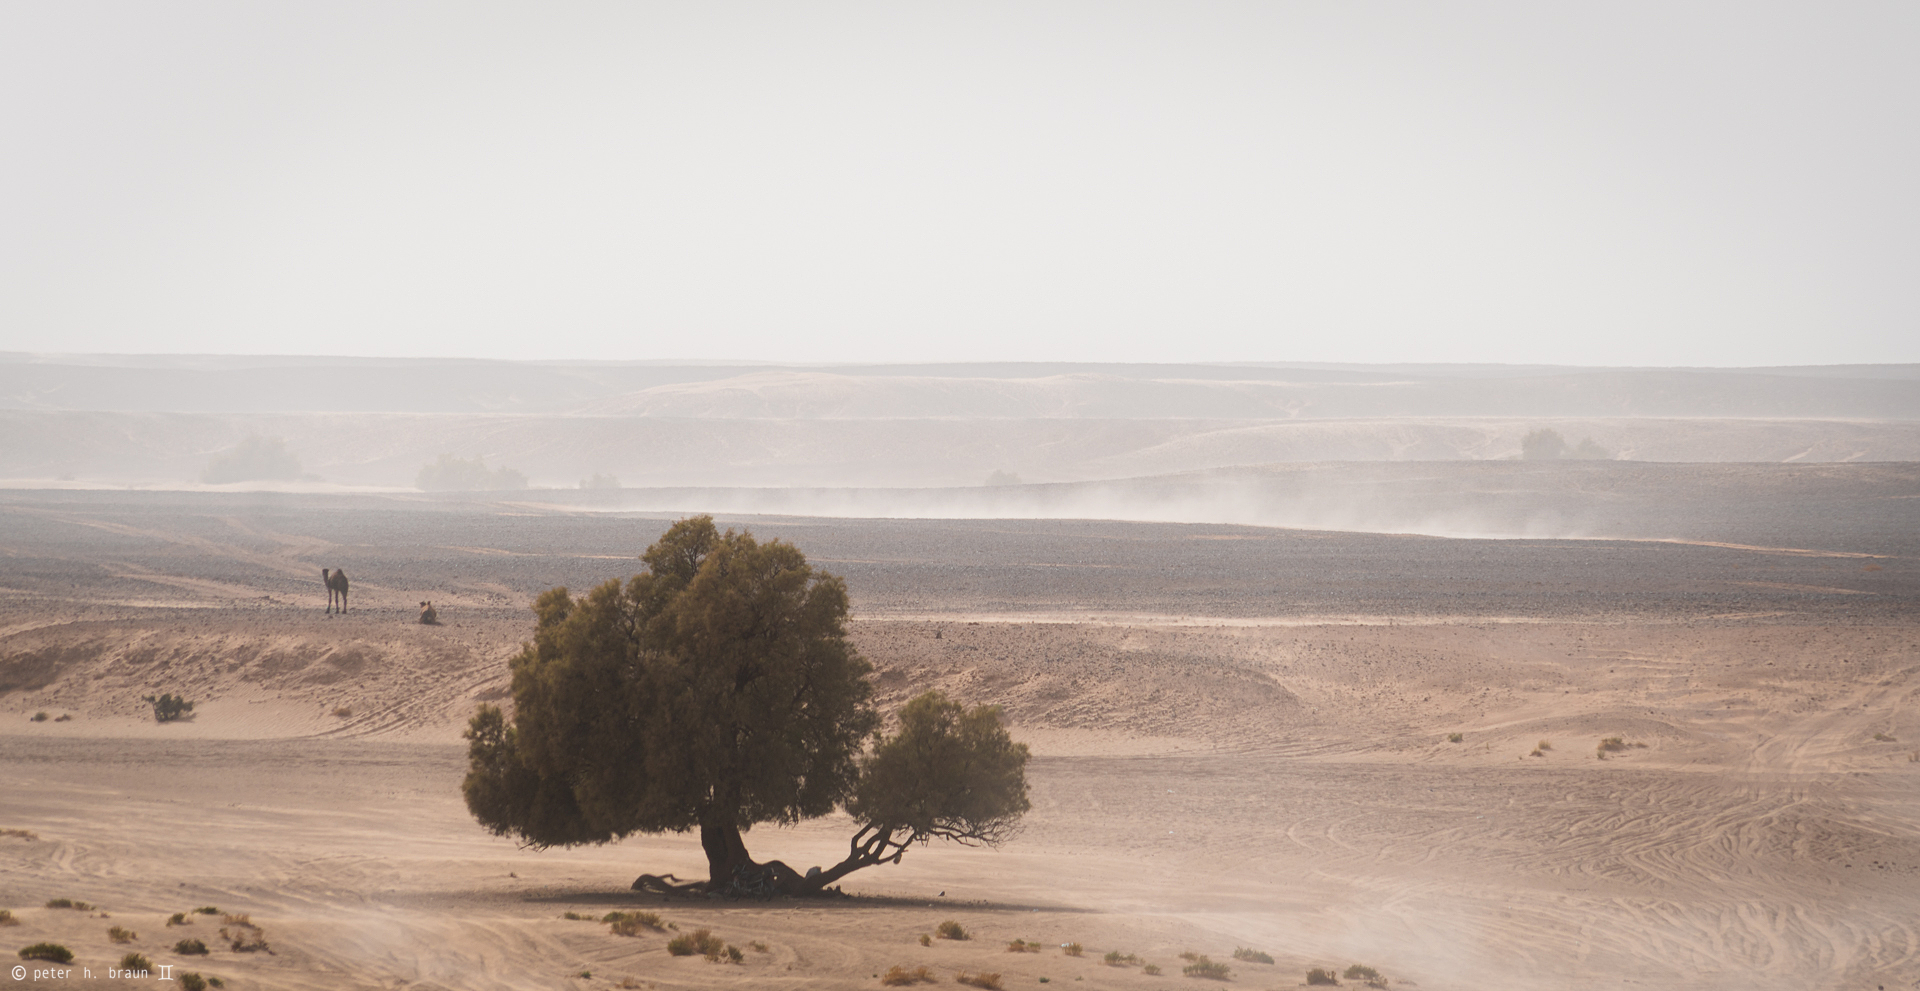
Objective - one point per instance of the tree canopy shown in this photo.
(717, 691)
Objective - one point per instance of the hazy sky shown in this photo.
(1607, 183)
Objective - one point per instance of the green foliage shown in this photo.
(47, 951)
(716, 689)
(1250, 956)
(1542, 445)
(951, 930)
(1203, 967)
(134, 961)
(451, 474)
(949, 772)
(167, 708)
(253, 459)
(190, 948)
(192, 981)
(1318, 976)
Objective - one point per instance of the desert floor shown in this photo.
(1241, 740)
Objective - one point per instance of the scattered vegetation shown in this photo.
(24, 834)
(757, 946)
(630, 923)
(244, 936)
(1071, 949)
(7, 919)
(1022, 946)
(69, 903)
(700, 941)
(1203, 967)
(898, 976)
(733, 955)
(178, 919)
(1614, 744)
(1318, 976)
(1115, 958)
(1543, 745)
(120, 935)
(206, 910)
(40, 717)
(952, 930)
(190, 948)
(168, 708)
(192, 981)
(989, 981)
(65, 717)
(1151, 970)
(1366, 975)
(926, 940)
(577, 917)
(451, 474)
(253, 459)
(1455, 737)
(135, 962)
(1250, 956)
(1884, 738)
(47, 951)
(343, 712)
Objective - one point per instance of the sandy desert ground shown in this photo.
(1241, 740)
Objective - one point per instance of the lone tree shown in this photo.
(716, 691)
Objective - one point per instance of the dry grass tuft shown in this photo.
(7, 919)
(25, 834)
(178, 919)
(926, 940)
(190, 948)
(898, 976)
(1543, 745)
(69, 903)
(1203, 967)
(1151, 970)
(630, 923)
(989, 981)
(1022, 946)
(120, 935)
(1455, 737)
(1071, 949)
(951, 930)
(1115, 958)
(1318, 976)
(700, 941)
(1366, 975)
(1885, 738)
(135, 962)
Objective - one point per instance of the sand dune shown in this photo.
(1242, 740)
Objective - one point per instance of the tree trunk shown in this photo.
(726, 851)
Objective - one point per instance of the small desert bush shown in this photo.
(134, 961)
(898, 976)
(577, 917)
(1250, 956)
(167, 708)
(630, 923)
(190, 948)
(757, 946)
(733, 954)
(1612, 744)
(40, 717)
(206, 910)
(926, 940)
(69, 903)
(951, 930)
(1203, 967)
(1318, 976)
(1071, 949)
(65, 717)
(1151, 970)
(245, 938)
(192, 981)
(178, 919)
(1543, 745)
(1022, 946)
(700, 941)
(1366, 975)
(120, 935)
(343, 712)
(47, 951)
(1884, 738)
(7, 919)
(989, 981)
(1455, 737)
(25, 834)
(1115, 958)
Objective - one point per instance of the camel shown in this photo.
(336, 583)
(427, 615)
